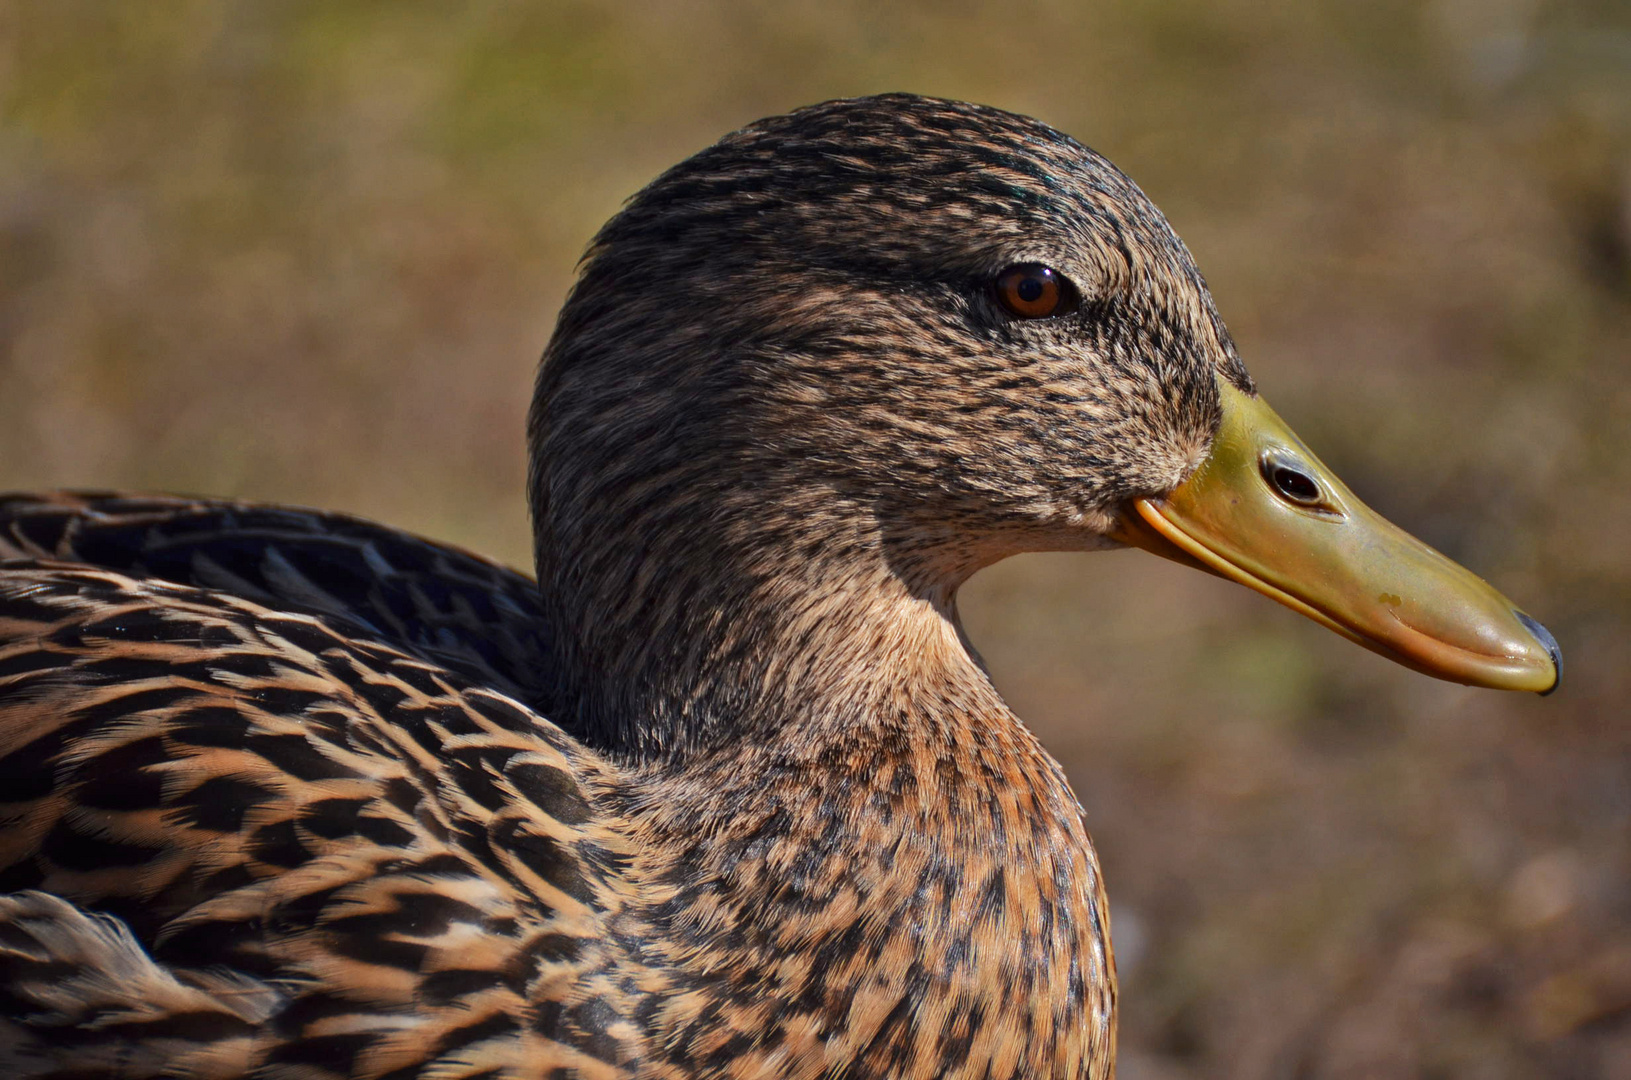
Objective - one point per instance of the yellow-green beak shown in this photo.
(1264, 511)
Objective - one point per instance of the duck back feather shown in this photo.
(292, 822)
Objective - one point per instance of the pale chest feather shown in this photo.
(909, 915)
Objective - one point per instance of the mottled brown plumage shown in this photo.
(291, 795)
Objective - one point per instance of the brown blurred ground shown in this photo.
(310, 251)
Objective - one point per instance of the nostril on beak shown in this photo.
(1550, 642)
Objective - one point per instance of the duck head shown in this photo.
(845, 357)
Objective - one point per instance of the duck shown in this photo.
(725, 790)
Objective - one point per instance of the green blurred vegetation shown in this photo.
(310, 251)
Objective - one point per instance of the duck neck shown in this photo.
(751, 620)
(889, 856)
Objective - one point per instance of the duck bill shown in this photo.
(1264, 511)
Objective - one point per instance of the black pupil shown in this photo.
(1030, 289)
(1295, 485)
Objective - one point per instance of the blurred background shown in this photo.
(310, 252)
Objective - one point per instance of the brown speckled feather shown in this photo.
(387, 859)
(726, 794)
(473, 616)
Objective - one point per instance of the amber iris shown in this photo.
(1034, 291)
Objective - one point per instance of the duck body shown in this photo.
(726, 793)
(320, 793)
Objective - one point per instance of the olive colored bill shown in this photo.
(1264, 511)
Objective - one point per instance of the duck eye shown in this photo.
(1034, 291)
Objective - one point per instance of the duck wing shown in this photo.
(238, 841)
(478, 619)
